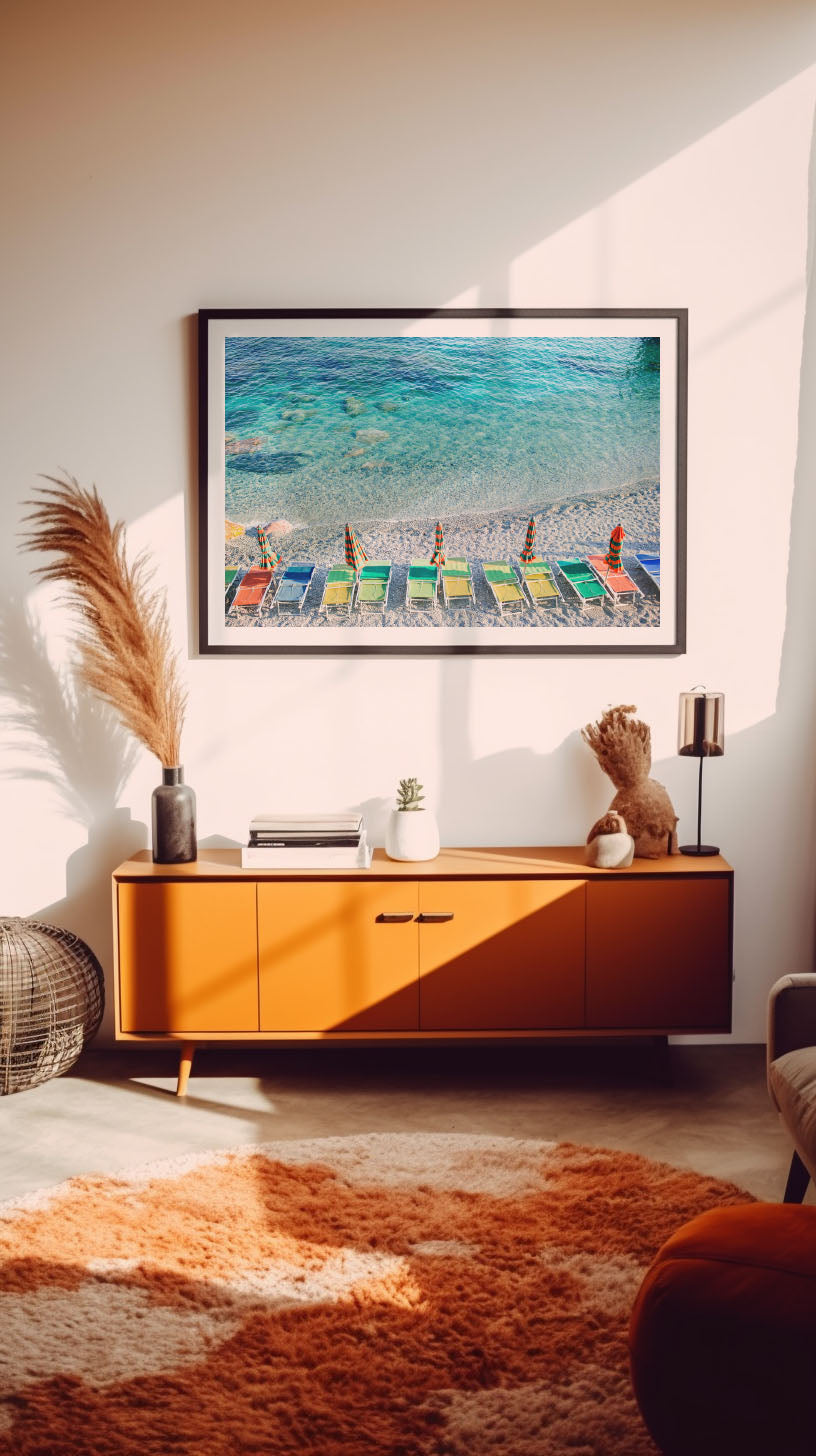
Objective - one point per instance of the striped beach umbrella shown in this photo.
(438, 558)
(528, 551)
(613, 555)
(269, 557)
(355, 551)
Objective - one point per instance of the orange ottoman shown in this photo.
(723, 1335)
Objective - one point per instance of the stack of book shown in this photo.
(306, 842)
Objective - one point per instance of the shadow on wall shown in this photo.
(774, 917)
(572, 796)
(797, 682)
(779, 797)
(71, 742)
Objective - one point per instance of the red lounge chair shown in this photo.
(619, 584)
(253, 589)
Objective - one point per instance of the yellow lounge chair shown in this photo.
(457, 582)
(504, 587)
(539, 583)
(338, 591)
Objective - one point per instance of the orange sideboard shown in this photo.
(475, 943)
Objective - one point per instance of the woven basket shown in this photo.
(52, 995)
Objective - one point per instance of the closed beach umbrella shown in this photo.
(355, 552)
(268, 556)
(528, 551)
(613, 555)
(438, 558)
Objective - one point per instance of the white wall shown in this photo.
(177, 155)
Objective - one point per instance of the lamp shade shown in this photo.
(701, 730)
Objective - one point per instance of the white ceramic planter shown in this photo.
(412, 834)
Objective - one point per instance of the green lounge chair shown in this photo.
(582, 579)
(372, 586)
(338, 590)
(457, 582)
(539, 583)
(504, 587)
(421, 588)
(232, 576)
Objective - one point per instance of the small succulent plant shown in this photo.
(410, 794)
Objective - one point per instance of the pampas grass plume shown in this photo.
(124, 646)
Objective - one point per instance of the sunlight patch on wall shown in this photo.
(720, 228)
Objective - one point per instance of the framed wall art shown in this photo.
(447, 480)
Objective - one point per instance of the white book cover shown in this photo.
(306, 821)
(330, 857)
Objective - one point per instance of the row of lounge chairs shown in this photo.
(536, 584)
(367, 589)
(343, 588)
(252, 589)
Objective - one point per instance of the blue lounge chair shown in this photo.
(649, 563)
(294, 584)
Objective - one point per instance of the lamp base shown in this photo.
(701, 849)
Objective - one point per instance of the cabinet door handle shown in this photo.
(395, 917)
(435, 917)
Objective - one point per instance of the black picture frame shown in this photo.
(657, 627)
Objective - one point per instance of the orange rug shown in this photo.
(427, 1295)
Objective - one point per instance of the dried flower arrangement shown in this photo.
(124, 642)
(622, 745)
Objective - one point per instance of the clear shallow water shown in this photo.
(329, 430)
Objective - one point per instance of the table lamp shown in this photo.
(701, 735)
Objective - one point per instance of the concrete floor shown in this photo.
(703, 1107)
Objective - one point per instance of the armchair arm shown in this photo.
(791, 1014)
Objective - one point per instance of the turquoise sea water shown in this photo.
(328, 430)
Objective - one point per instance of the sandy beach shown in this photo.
(579, 526)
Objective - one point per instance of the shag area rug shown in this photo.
(427, 1295)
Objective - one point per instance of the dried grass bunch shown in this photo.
(622, 745)
(125, 649)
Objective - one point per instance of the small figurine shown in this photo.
(609, 845)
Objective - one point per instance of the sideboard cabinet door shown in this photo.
(507, 956)
(338, 955)
(659, 954)
(188, 956)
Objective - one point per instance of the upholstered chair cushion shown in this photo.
(792, 1082)
(723, 1334)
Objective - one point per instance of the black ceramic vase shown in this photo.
(174, 826)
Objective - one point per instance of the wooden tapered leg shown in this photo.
(185, 1066)
(798, 1179)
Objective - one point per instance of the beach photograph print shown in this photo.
(501, 481)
